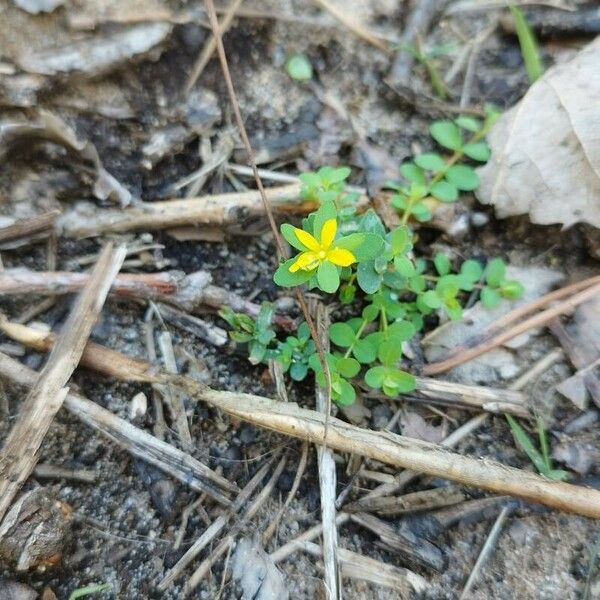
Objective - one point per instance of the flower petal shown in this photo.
(305, 261)
(328, 233)
(308, 240)
(341, 257)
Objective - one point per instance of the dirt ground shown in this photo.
(124, 525)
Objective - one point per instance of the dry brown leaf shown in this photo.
(546, 150)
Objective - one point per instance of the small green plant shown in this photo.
(443, 176)
(299, 68)
(529, 47)
(428, 57)
(89, 589)
(540, 458)
(389, 293)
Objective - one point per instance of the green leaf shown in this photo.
(389, 352)
(526, 444)
(477, 151)
(463, 177)
(398, 382)
(374, 377)
(299, 68)
(420, 211)
(442, 264)
(284, 278)
(348, 367)
(368, 278)
(346, 395)
(298, 371)
(341, 334)
(364, 246)
(399, 201)
(446, 134)
(404, 266)
(400, 331)
(303, 332)
(490, 298)
(287, 231)
(444, 191)
(347, 294)
(400, 239)
(431, 299)
(89, 589)
(469, 123)
(263, 321)
(512, 289)
(328, 277)
(370, 312)
(430, 162)
(529, 48)
(371, 223)
(364, 351)
(412, 173)
(495, 272)
(338, 175)
(471, 270)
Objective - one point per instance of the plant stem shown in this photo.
(356, 338)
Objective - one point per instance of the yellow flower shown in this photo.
(321, 250)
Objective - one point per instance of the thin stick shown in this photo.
(281, 249)
(19, 454)
(356, 566)
(471, 425)
(213, 530)
(187, 292)
(538, 303)
(399, 451)
(352, 25)
(42, 224)
(226, 543)
(269, 532)
(327, 478)
(486, 550)
(536, 321)
(45, 471)
(314, 532)
(137, 442)
(211, 45)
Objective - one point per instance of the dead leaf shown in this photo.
(546, 150)
(48, 127)
(257, 574)
(415, 426)
(96, 54)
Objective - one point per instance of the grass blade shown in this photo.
(526, 445)
(529, 47)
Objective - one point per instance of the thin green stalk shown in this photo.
(356, 338)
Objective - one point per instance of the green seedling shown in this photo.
(540, 458)
(529, 47)
(428, 57)
(299, 68)
(89, 589)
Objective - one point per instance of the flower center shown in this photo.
(322, 254)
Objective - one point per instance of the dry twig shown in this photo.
(137, 442)
(19, 454)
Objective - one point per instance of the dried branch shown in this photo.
(538, 320)
(22, 231)
(187, 292)
(356, 566)
(137, 442)
(233, 208)
(19, 454)
(327, 476)
(211, 45)
(290, 419)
